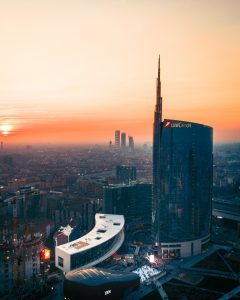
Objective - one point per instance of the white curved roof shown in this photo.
(106, 227)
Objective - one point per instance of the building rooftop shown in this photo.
(106, 227)
(185, 122)
(130, 183)
(96, 276)
(67, 230)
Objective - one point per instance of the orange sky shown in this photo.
(74, 71)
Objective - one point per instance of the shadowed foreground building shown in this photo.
(126, 174)
(182, 184)
(131, 200)
(20, 264)
(94, 283)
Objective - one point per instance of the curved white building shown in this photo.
(100, 243)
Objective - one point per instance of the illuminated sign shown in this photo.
(45, 254)
(168, 124)
(107, 292)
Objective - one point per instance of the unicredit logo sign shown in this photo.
(167, 124)
(177, 124)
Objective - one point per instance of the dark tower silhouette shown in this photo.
(157, 129)
(131, 143)
(182, 184)
(123, 140)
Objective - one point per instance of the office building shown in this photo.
(133, 201)
(117, 138)
(99, 244)
(123, 140)
(126, 174)
(131, 143)
(182, 184)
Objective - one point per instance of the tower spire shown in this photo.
(158, 108)
(157, 136)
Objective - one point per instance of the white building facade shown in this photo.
(99, 244)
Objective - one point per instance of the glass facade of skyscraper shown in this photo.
(184, 185)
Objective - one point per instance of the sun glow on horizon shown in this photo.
(75, 71)
(6, 129)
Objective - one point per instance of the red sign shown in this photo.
(167, 124)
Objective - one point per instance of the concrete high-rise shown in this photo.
(182, 184)
(117, 138)
(123, 139)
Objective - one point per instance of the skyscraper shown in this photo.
(117, 138)
(157, 128)
(182, 184)
(123, 139)
(131, 143)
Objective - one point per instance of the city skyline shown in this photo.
(74, 72)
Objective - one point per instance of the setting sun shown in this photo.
(5, 129)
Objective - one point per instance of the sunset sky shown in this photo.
(73, 71)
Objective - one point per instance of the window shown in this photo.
(101, 230)
(175, 246)
(60, 261)
(116, 224)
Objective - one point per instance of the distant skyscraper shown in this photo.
(117, 137)
(131, 143)
(182, 184)
(125, 174)
(1, 146)
(123, 139)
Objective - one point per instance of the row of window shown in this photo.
(83, 258)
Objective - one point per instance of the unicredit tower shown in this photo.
(182, 184)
